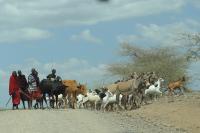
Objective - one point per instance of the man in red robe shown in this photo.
(14, 90)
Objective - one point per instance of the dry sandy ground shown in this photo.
(74, 121)
(164, 116)
(181, 113)
(56, 121)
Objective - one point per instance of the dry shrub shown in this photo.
(166, 62)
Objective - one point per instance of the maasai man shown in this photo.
(14, 90)
(23, 85)
(33, 80)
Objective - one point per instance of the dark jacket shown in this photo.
(51, 76)
(22, 82)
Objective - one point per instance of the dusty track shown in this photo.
(163, 116)
(55, 121)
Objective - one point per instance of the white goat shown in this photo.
(91, 98)
(110, 99)
(155, 88)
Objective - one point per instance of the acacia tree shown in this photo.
(166, 62)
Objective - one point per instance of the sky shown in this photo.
(79, 38)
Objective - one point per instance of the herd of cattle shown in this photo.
(126, 94)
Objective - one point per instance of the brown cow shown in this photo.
(82, 89)
(72, 90)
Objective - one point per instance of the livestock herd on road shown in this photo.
(126, 94)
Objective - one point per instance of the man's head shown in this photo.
(33, 71)
(19, 72)
(53, 71)
(14, 73)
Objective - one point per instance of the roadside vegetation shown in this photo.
(171, 63)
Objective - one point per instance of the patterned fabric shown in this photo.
(32, 83)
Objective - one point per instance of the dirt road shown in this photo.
(55, 121)
(163, 116)
(74, 121)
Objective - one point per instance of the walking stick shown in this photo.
(8, 100)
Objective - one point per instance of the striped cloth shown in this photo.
(32, 83)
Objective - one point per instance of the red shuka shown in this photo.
(14, 89)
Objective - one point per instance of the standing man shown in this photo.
(33, 80)
(23, 85)
(14, 90)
